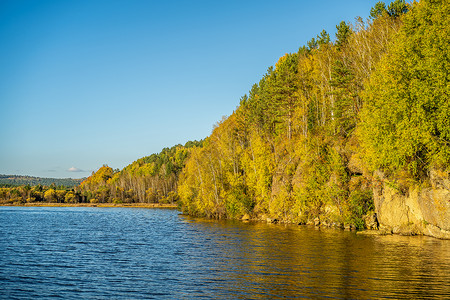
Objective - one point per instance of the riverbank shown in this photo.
(129, 205)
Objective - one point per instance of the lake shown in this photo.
(132, 253)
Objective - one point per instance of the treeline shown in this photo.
(311, 138)
(306, 140)
(18, 180)
(151, 179)
(23, 194)
(18, 190)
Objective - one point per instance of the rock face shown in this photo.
(419, 210)
(371, 221)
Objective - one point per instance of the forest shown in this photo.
(312, 137)
(15, 189)
(19, 195)
(151, 179)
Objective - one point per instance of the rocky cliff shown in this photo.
(419, 209)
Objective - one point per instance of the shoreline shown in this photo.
(121, 205)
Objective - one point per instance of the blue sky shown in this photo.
(88, 82)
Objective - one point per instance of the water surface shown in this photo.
(130, 253)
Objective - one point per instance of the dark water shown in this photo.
(118, 253)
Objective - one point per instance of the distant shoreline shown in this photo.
(129, 205)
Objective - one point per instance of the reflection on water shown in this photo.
(141, 253)
(269, 261)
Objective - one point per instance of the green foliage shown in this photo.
(323, 38)
(397, 8)
(406, 118)
(342, 34)
(283, 152)
(312, 44)
(378, 10)
(360, 203)
(151, 179)
(346, 102)
(35, 194)
(283, 96)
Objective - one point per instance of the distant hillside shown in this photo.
(151, 179)
(15, 180)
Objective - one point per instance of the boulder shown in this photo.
(371, 221)
(245, 217)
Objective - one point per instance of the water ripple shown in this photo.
(104, 253)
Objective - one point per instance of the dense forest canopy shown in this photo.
(15, 189)
(307, 139)
(405, 123)
(151, 179)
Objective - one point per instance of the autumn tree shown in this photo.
(406, 117)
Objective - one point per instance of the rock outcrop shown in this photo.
(417, 210)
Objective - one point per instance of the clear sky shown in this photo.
(90, 82)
